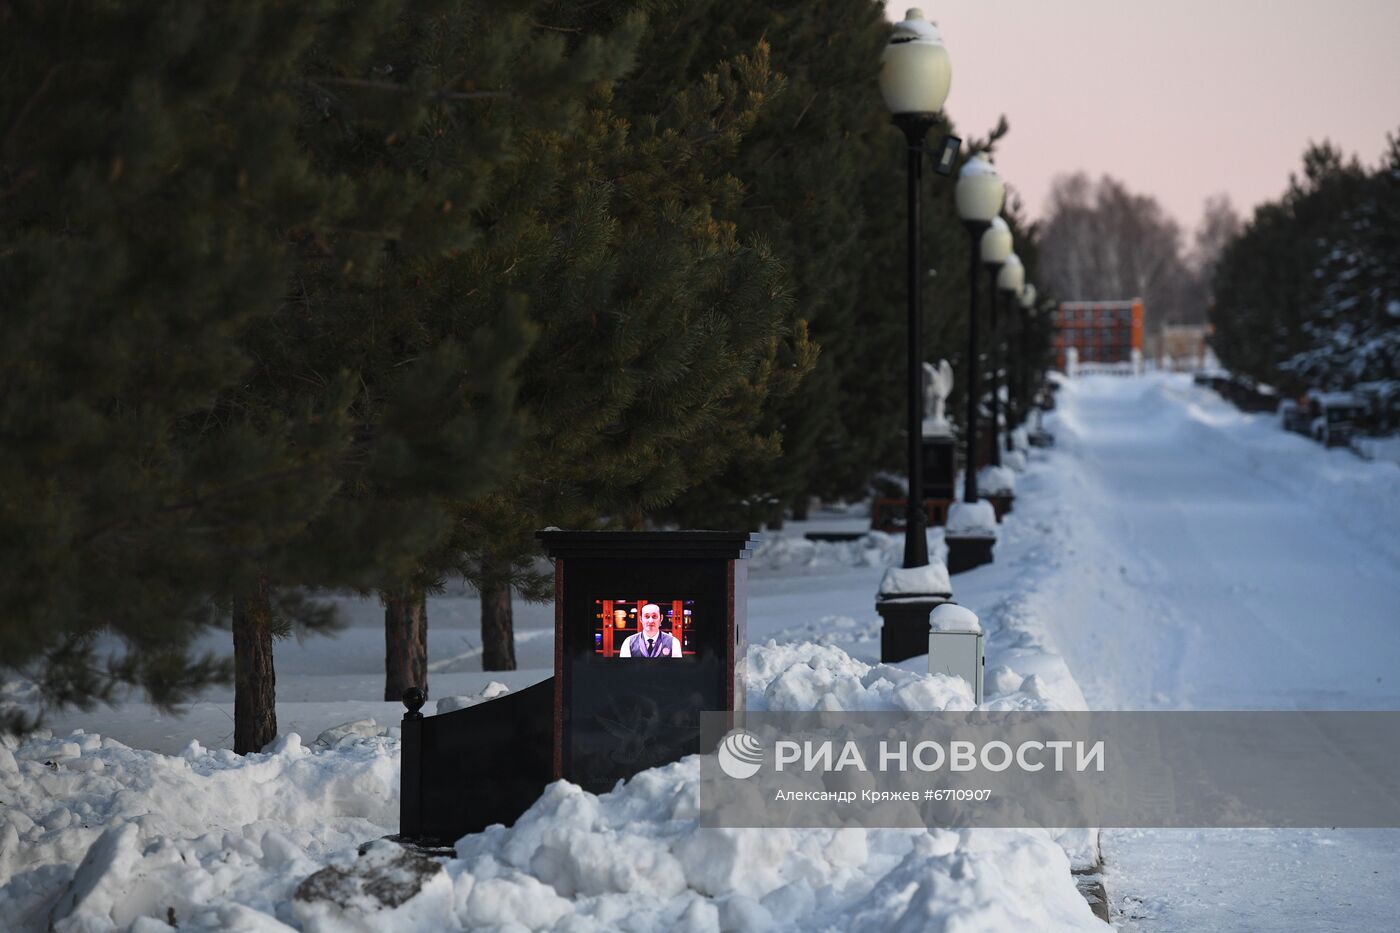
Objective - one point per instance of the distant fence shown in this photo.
(1133, 366)
(1105, 369)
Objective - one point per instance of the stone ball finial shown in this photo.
(414, 698)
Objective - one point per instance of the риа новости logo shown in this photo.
(740, 754)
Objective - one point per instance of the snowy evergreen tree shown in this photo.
(1270, 283)
(1353, 327)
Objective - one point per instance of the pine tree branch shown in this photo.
(197, 501)
(370, 84)
(572, 29)
(805, 107)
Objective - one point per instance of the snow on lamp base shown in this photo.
(998, 486)
(907, 595)
(971, 535)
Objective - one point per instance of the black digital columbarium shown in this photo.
(649, 630)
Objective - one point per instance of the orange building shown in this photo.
(1102, 331)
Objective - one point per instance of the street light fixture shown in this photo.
(1010, 280)
(914, 81)
(979, 195)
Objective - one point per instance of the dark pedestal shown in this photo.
(940, 466)
(905, 628)
(968, 551)
(1001, 504)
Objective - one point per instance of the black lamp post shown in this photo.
(979, 196)
(915, 127)
(995, 248)
(1023, 358)
(1010, 279)
(914, 82)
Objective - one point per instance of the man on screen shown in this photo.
(651, 642)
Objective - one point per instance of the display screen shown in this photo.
(643, 627)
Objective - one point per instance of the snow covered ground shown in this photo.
(142, 819)
(1170, 552)
(1220, 563)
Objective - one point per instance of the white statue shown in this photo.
(937, 384)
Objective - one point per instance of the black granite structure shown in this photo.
(598, 719)
(617, 716)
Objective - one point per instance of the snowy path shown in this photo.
(1209, 573)
(1170, 553)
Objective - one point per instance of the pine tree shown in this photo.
(1266, 284)
(413, 118)
(229, 371)
(1353, 326)
(661, 330)
(1021, 335)
(149, 174)
(804, 168)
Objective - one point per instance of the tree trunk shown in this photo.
(801, 508)
(497, 629)
(405, 640)
(254, 680)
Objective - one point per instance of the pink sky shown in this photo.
(1180, 99)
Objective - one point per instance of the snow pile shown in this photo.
(928, 580)
(349, 732)
(996, 481)
(802, 677)
(781, 552)
(1378, 448)
(635, 859)
(492, 690)
(972, 518)
(98, 836)
(94, 834)
(830, 630)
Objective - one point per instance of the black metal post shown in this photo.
(1013, 301)
(975, 230)
(1012, 371)
(994, 361)
(1028, 380)
(915, 127)
(1022, 366)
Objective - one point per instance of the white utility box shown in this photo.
(955, 645)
